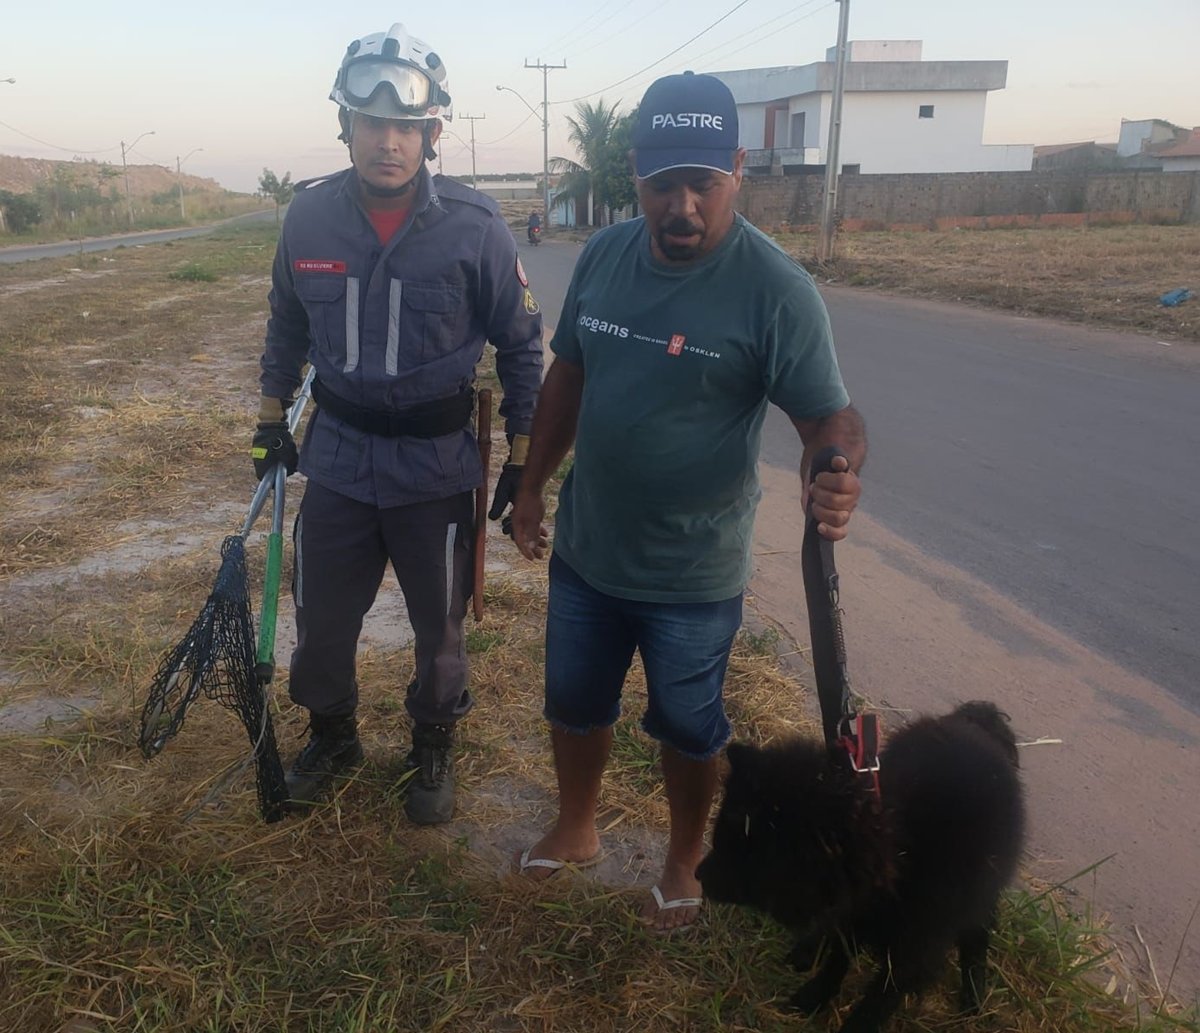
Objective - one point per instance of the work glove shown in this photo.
(273, 442)
(510, 477)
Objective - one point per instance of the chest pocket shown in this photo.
(325, 301)
(429, 315)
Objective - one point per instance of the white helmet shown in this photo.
(392, 75)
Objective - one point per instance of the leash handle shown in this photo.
(822, 594)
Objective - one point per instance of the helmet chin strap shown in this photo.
(426, 129)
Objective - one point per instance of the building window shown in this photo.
(925, 111)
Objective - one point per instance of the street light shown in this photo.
(179, 173)
(125, 150)
(545, 150)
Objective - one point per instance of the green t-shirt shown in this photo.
(679, 364)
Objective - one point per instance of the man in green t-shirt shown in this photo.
(677, 330)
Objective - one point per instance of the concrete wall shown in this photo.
(970, 198)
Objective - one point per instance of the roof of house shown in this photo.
(763, 85)
(1188, 147)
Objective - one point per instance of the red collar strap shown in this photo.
(860, 739)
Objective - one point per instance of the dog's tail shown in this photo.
(994, 721)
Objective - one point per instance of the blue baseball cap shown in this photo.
(686, 121)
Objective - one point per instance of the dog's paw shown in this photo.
(810, 998)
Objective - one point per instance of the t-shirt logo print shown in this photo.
(676, 345)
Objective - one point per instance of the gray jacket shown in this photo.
(390, 326)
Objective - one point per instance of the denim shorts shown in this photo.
(590, 641)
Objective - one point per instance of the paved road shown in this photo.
(30, 252)
(1027, 534)
(1056, 463)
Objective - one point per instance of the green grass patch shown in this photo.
(193, 272)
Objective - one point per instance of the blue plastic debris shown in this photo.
(1175, 297)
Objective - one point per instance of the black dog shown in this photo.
(907, 873)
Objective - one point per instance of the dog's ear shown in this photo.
(739, 754)
(745, 767)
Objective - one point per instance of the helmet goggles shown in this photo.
(374, 84)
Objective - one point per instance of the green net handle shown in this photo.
(270, 604)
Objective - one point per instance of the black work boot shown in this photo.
(332, 749)
(430, 798)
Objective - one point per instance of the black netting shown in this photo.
(217, 658)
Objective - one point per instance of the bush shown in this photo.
(21, 212)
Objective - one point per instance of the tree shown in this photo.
(278, 190)
(591, 127)
(612, 175)
(21, 212)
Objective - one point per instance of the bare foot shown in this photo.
(554, 851)
(678, 883)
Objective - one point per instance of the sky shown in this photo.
(233, 88)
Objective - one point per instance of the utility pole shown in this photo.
(473, 119)
(179, 178)
(545, 69)
(829, 204)
(125, 167)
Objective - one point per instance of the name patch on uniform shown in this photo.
(676, 345)
(318, 265)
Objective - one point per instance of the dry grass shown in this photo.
(122, 465)
(1107, 275)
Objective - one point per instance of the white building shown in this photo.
(1183, 156)
(899, 113)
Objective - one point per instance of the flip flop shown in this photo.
(673, 905)
(551, 864)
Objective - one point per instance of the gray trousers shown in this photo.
(341, 552)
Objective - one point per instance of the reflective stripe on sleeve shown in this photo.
(391, 358)
(351, 325)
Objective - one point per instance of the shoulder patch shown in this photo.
(522, 279)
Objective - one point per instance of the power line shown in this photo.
(575, 54)
(488, 143)
(761, 25)
(578, 26)
(620, 82)
(54, 146)
(754, 42)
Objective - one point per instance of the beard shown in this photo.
(675, 251)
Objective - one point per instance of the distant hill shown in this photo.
(23, 175)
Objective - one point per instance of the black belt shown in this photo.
(426, 420)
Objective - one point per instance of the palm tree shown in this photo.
(592, 126)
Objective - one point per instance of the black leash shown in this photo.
(857, 733)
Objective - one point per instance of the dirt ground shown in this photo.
(122, 465)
